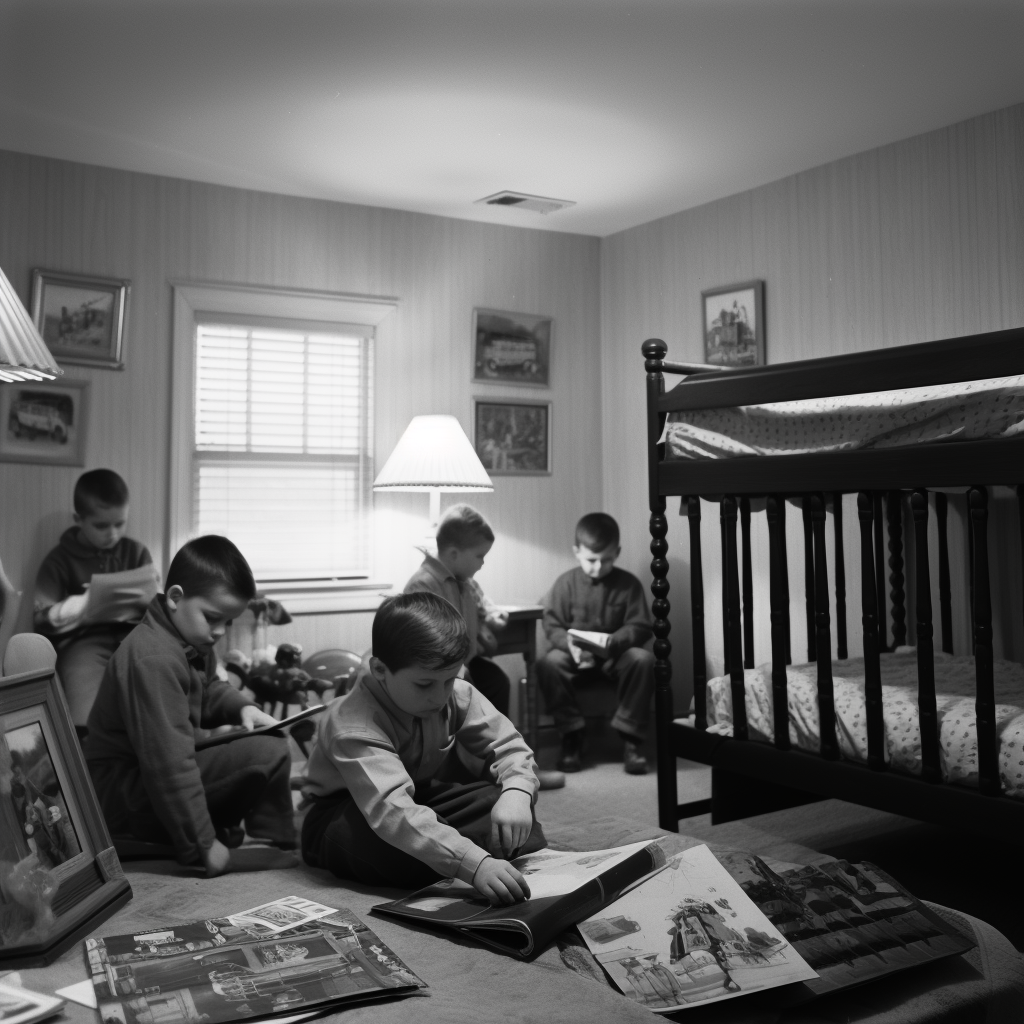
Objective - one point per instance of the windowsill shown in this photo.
(318, 597)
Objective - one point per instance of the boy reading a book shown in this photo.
(597, 596)
(415, 776)
(159, 687)
(464, 538)
(95, 544)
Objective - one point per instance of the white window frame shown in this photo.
(326, 312)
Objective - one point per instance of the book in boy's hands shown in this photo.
(591, 641)
(234, 734)
(218, 971)
(564, 889)
(121, 596)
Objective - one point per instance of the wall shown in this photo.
(919, 240)
(154, 231)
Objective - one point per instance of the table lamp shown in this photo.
(23, 353)
(433, 455)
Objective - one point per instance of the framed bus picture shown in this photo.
(733, 324)
(511, 348)
(44, 421)
(513, 438)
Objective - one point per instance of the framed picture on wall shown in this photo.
(513, 438)
(733, 324)
(44, 421)
(82, 319)
(511, 348)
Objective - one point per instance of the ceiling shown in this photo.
(634, 109)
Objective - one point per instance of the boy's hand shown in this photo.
(497, 619)
(251, 716)
(511, 821)
(217, 859)
(486, 641)
(500, 882)
(587, 660)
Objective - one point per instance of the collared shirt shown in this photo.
(433, 577)
(370, 747)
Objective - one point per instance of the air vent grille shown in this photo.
(524, 201)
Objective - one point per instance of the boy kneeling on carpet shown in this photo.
(159, 687)
(415, 776)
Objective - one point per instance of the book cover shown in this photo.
(213, 740)
(592, 642)
(564, 888)
(121, 596)
(216, 971)
(21, 1005)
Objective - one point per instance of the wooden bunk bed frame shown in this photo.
(749, 776)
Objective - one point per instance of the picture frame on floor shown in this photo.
(82, 319)
(513, 438)
(60, 874)
(732, 324)
(44, 422)
(511, 348)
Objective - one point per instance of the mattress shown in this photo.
(955, 698)
(969, 411)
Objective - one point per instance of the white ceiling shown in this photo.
(635, 109)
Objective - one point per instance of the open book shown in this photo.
(121, 596)
(235, 734)
(565, 888)
(587, 640)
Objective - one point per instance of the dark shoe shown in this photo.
(572, 745)
(633, 761)
(231, 836)
(550, 780)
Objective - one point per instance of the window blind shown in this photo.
(281, 459)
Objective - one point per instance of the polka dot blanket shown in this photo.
(969, 411)
(955, 696)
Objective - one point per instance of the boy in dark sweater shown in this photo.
(159, 687)
(95, 544)
(598, 597)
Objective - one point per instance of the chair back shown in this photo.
(28, 652)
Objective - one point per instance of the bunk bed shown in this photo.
(929, 734)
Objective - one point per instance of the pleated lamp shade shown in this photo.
(433, 455)
(23, 353)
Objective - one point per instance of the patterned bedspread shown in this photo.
(954, 684)
(971, 411)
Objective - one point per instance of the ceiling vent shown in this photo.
(522, 201)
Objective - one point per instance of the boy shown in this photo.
(415, 776)
(599, 597)
(95, 544)
(463, 540)
(152, 783)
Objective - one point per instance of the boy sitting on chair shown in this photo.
(415, 776)
(159, 687)
(598, 597)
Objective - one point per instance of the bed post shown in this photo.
(700, 663)
(733, 626)
(654, 351)
(837, 528)
(894, 513)
(785, 579)
(928, 717)
(748, 586)
(945, 591)
(869, 619)
(883, 627)
(776, 511)
(985, 704)
(725, 590)
(809, 601)
(826, 699)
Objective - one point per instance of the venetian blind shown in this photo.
(282, 456)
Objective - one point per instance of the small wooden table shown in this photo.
(520, 637)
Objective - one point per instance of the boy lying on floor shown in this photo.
(415, 776)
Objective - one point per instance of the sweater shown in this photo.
(433, 577)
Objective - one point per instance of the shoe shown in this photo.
(633, 761)
(232, 836)
(572, 744)
(550, 780)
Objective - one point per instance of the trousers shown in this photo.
(81, 663)
(632, 673)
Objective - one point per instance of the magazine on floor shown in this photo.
(23, 1006)
(564, 889)
(217, 971)
(690, 934)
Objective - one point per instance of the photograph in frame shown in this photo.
(513, 438)
(44, 422)
(732, 325)
(82, 319)
(511, 348)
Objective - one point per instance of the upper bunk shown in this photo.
(940, 414)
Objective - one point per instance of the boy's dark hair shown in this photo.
(597, 531)
(419, 629)
(209, 562)
(462, 527)
(99, 487)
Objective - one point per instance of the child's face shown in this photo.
(417, 690)
(596, 564)
(465, 563)
(103, 525)
(203, 619)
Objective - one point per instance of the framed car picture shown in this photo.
(44, 421)
(733, 324)
(511, 348)
(513, 438)
(82, 319)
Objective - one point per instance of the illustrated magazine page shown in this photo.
(690, 934)
(564, 888)
(216, 971)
